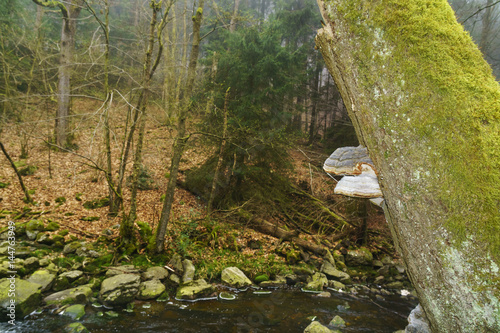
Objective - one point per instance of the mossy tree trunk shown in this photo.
(426, 105)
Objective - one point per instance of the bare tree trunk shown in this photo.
(113, 208)
(232, 23)
(180, 140)
(424, 102)
(221, 154)
(487, 24)
(315, 102)
(150, 66)
(70, 11)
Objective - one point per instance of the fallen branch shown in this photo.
(271, 229)
(25, 190)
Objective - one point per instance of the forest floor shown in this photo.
(72, 176)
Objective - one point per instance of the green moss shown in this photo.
(445, 96)
(28, 171)
(60, 200)
(97, 203)
(430, 107)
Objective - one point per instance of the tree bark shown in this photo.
(70, 11)
(221, 155)
(181, 139)
(424, 102)
(150, 66)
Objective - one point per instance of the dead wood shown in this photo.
(271, 229)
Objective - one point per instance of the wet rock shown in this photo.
(337, 322)
(195, 289)
(155, 273)
(333, 273)
(395, 285)
(75, 328)
(125, 269)
(336, 285)
(280, 281)
(75, 312)
(111, 314)
(234, 277)
(28, 297)
(119, 289)
(78, 295)
(316, 327)
(417, 322)
(189, 271)
(317, 283)
(359, 257)
(44, 278)
(324, 294)
(150, 289)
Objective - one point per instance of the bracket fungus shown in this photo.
(360, 177)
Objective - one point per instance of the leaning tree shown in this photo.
(425, 104)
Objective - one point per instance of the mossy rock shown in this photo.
(63, 232)
(72, 247)
(150, 289)
(44, 238)
(75, 328)
(58, 239)
(28, 297)
(75, 312)
(97, 203)
(35, 225)
(52, 226)
(20, 229)
(261, 278)
(78, 295)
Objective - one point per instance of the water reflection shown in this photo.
(280, 311)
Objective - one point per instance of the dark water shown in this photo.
(280, 311)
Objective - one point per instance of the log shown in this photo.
(271, 229)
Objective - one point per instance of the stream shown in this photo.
(278, 311)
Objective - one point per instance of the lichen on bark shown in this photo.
(427, 107)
